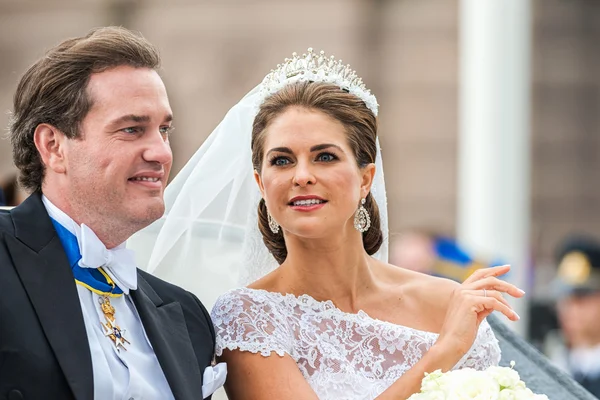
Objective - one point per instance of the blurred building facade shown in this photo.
(407, 52)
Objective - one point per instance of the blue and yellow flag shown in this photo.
(454, 262)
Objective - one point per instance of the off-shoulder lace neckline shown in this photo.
(329, 305)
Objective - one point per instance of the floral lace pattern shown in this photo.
(341, 355)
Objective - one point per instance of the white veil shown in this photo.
(208, 240)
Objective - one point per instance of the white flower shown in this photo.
(495, 383)
(508, 394)
(435, 381)
(467, 384)
(506, 377)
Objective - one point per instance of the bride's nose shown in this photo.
(303, 175)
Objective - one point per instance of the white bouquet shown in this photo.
(495, 383)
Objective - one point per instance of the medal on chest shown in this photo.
(105, 287)
(111, 329)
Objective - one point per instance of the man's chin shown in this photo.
(147, 212)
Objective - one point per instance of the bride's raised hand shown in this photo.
(472, 301)
(468, 304)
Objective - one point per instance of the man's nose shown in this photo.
(159, 149)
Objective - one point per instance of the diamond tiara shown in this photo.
(317, 68)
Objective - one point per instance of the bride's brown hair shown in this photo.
(361, 129)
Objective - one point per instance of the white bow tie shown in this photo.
(119, 263)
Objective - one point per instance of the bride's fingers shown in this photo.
(487, 272)
(491, 303)
(497, 284)
(483, 315)
(490, 293)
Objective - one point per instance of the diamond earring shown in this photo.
(362, 219)
(273, 225)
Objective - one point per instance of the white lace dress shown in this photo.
(341, 355)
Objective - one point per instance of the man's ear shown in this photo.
(50, 143)
(368, 173)
(260, 184)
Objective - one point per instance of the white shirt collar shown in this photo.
(124, 273)
(585, 361)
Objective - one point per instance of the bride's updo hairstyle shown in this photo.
(361, 129)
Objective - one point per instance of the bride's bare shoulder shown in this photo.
(422, 287)
(270, 282)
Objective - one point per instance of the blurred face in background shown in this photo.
(414, 251)
(579, 317)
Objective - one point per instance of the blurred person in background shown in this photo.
(413, 250)
(434, 254)
(13, 193)
(577, 286)
(2, 199)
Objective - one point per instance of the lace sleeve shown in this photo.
(248, 322)
(485, 351)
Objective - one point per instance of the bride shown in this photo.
(324, 315)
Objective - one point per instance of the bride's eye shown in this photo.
(279, 161)
(326, 157)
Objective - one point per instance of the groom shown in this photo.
(78, 320)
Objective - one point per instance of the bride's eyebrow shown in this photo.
(280, 150)
(325, 146)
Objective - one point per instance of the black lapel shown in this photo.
(43, 267)
(167, 331)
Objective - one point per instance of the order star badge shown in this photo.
(110, 327)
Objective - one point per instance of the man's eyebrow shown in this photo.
(137, 119)
(130, 118)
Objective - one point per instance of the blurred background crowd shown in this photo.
(534, 140)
